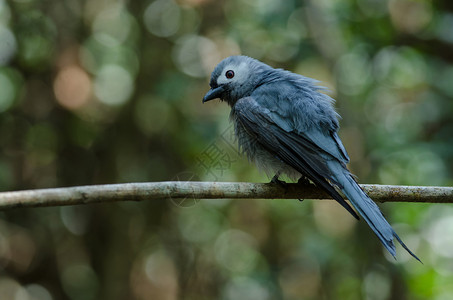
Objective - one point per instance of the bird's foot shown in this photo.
(278, 181)
(303, 181)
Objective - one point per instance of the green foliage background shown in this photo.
(95, 92)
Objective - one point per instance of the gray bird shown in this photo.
(285, 124)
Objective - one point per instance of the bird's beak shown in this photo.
(213, 93)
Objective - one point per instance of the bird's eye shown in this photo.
(229, 74)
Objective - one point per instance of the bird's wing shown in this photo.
(297, 113)
(294, 149)
(327, 141)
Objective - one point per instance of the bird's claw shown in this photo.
(279, 182)
(303, 181)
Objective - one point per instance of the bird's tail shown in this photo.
(367, 208)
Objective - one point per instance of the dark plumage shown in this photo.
(285, 124)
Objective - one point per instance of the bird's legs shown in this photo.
(303, 180)
(278, 181)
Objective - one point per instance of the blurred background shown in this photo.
(95, 92)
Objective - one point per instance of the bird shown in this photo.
(286, 123)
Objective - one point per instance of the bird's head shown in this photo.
(235, 77)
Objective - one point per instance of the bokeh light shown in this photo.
(377, 285)
(162, 18)
(11, 289)
(157, 108)
(112, 26)
(80, 281)
(36, 47)
(443, 27)
(113, 85)
(8, 47)
(72, 87)
(9, 86)
(235, 251)
(246, 288)
(410, 16)
(5, 12)
(161, 271)
(38, 292)
(200, 225)
(195, 55)
(439, 234)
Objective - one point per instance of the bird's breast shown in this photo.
(265, 161)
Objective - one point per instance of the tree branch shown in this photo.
(208, 190)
